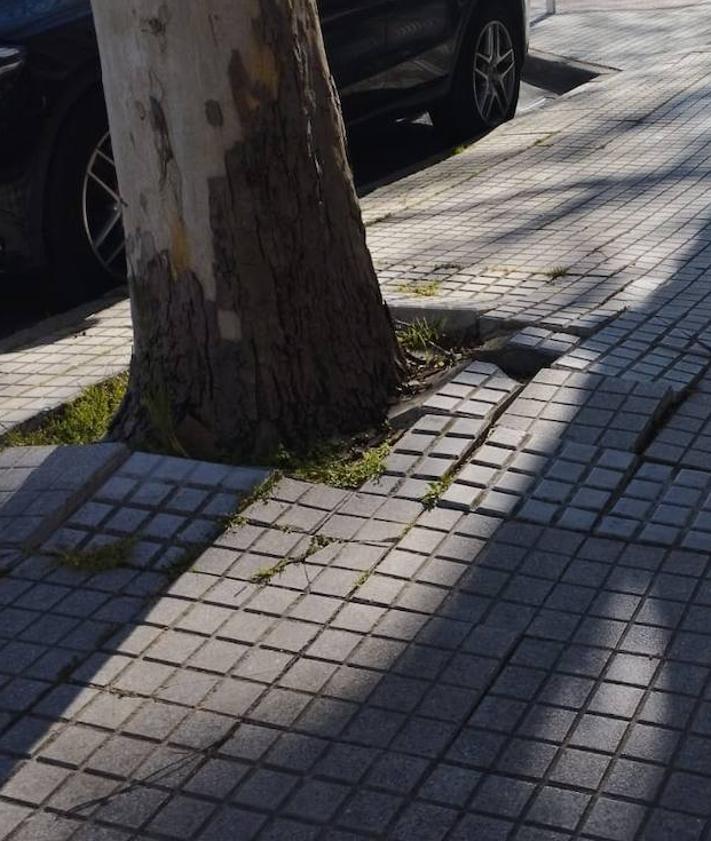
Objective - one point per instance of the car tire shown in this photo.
(77, 272)
(464, 113)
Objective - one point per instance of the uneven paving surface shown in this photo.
(529, 658)
(39, 486)
(344, 665)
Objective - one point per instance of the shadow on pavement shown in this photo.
(498, 681)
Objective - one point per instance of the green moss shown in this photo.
(99, 559)
(83, 421)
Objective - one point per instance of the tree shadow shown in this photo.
(465, 677)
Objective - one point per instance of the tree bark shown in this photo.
(258, 318)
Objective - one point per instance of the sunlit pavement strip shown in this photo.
(49, 368)
(529, 659)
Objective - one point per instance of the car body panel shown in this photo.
(62, 63)
(354, 37)
(421, 38)
(26, 18)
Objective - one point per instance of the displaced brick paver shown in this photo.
(39, 486)
(486, 678)
(167, 506)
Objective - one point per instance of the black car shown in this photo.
(59, 208)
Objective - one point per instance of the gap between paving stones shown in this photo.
(452, 423)
(147, 486)
(423, 574)
(565, 451)
(608, 628)
(437, 736)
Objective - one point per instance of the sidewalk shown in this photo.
(621, 34)
(52, 363)
(529, 658)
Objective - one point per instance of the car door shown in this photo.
(421, 42)
(354, 35)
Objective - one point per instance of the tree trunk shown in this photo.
(258, 318)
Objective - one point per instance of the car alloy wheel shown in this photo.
(494, 73)
(101, 209)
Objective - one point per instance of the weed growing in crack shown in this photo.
(557, 272)
(100, 558)
(318, 542)
(421, 290)
(362, 578)
(259, 494)
(265, 575)
(435, 491)
(341, 464)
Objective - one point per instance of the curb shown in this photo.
(74, 320)
(560, 74)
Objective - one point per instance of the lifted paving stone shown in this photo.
(39, 486)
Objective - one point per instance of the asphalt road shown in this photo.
(379, 154)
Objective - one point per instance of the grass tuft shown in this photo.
(342, 464)
(99, 559)
(557, 272)
(435, 491)
(419, 289)
(426, 344)
(420, 336)
(83, 421)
